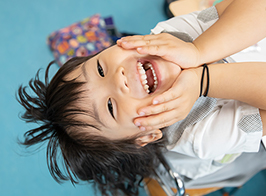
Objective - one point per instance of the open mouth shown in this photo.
(148, 76)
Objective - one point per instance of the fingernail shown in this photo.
(142, 113)
(137, 124)
(142, 128)
(155, 102)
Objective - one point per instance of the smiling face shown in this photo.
(118, 83)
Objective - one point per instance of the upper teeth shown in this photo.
(143, 76)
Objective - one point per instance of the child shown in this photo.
(87, 113)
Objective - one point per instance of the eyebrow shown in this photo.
(97, 116)
(84, 72)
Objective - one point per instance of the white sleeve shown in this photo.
(192, 24)
(231, 128)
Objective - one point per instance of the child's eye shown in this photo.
(100, 69)
(110, 107)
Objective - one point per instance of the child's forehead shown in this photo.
(75, 74)
(86, 68)
(88, 103)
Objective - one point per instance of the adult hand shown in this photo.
(173, 105)
(165, 45)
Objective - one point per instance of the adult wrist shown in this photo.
(196, 56)
(202, 57)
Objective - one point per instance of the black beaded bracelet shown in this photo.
(205, 67)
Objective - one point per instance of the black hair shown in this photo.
(111, 165)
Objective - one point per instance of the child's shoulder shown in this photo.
(193, 24)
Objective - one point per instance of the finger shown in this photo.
(138, 41)
(159, 120)
(159, 108)
(154, 49)
(135, 38)
(159, 38)
(129, 38)
(139, 37)
(172, 94)
(159, 126)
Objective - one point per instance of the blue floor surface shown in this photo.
(256, 186)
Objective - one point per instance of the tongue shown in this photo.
(150, 78)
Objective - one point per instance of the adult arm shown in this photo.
(241, 23)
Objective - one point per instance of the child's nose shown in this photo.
(121, 80)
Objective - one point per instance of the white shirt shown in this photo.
(231, 128)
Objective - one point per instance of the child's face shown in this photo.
(116, 90)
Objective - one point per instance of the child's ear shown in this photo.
(149, 137)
